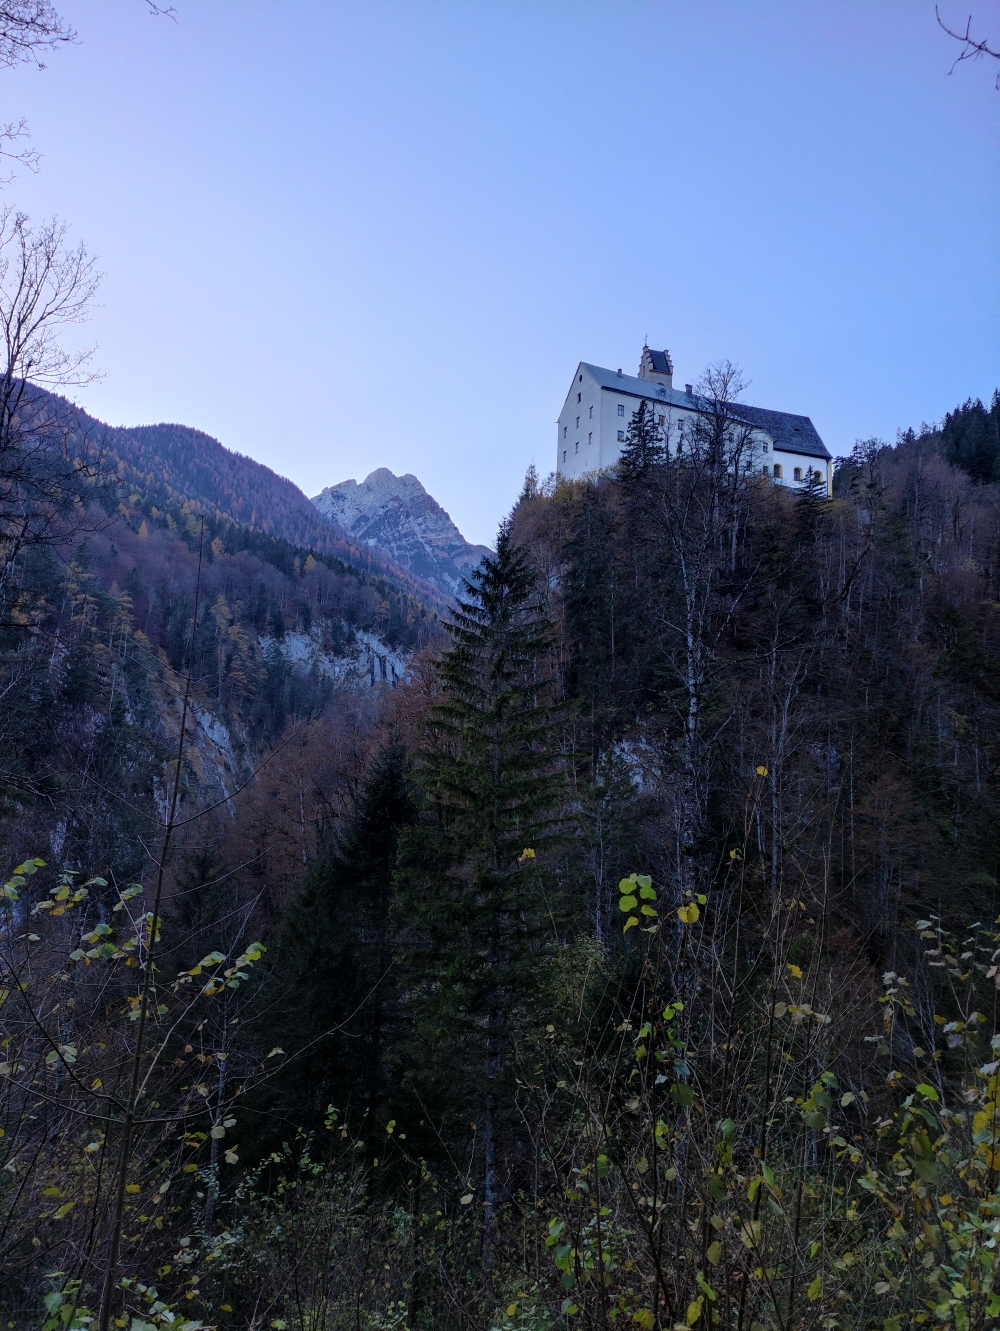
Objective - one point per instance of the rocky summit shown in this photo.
(396, 514)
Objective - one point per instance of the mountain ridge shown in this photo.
(169, 465)
(396, 514)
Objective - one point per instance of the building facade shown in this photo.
(599, 405)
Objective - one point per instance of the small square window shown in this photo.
(621, 436)
(797, 473)
(621, 408)
(777, 471)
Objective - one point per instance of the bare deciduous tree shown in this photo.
(45, 455)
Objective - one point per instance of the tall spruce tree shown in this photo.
(477, 903)
(336, 959)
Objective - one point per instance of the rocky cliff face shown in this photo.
(396, 514)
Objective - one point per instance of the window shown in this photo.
(564, 455)
(621, 408)
(777, 471)
(763, 447)
(660, 420)
(578, 396)
(591, 413)
(565, 431)
(797, 473)
(576, 447)
(590, 438)
(578, 422)
(621, 436)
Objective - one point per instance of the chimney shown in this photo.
(687, 389)
(619, 370)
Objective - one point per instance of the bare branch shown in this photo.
(28, 27)
(971, 48)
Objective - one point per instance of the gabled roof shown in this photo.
(628, 383)
(792, 434)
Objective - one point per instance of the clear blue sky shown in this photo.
(347, 235)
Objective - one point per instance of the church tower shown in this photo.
(657, 367)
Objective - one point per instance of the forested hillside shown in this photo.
(163, 468)
(632, 962)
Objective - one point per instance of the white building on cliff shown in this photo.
(600, 403)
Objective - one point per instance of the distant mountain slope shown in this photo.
(170, 466)
(397, 515)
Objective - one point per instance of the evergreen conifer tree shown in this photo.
(336, 953)
(471, 880)
(644, 447)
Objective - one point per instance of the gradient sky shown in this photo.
(340, 236)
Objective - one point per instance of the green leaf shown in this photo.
(681, 1094)
(627, 903)
(647, 893)
(928, 1092)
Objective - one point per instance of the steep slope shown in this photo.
(159, 468)
(397, 515)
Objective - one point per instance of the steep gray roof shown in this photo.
(795, 434)
(634, 387)
(659, 361)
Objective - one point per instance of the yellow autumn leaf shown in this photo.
(815, 1290)
(694, 1311)
(762, 771)
(795, 970)
(688, 914)
(131, 1187)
